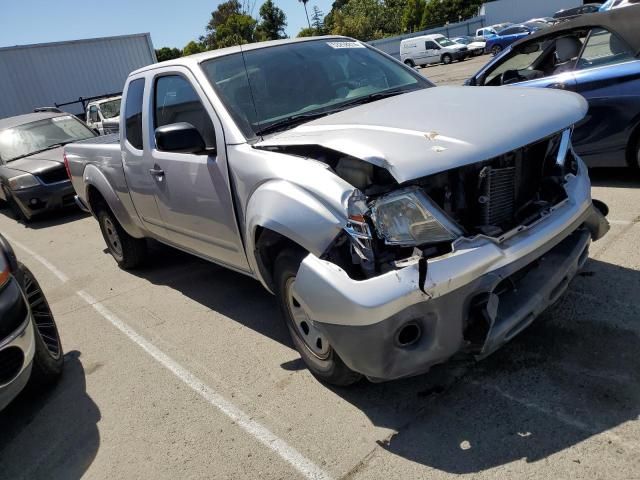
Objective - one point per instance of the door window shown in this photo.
(603, 48)
(133, 113)
(429, 45)
(176, 101)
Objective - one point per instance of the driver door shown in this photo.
(432, 53)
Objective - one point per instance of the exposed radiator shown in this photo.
(497, 199)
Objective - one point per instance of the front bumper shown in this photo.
(43, 198)
(361, 319)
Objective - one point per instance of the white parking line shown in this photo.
(303, 465)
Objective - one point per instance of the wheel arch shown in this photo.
(99, 193)
(283, 215)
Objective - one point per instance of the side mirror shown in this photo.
(180, 138)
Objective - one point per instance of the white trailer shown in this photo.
(46, 74)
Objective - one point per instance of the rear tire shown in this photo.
(48, 359)
(319, 357)
(495, 50)
(128, 252)
(447, 59)
(409, 63)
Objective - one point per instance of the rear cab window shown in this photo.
(603, 48)
(133, 113)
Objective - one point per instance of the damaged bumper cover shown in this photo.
(364, 320)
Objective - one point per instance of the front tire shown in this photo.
(15, 209)
(128, 251)
(447, 59)
(316, 352)
(48, 359)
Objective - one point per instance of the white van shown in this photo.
(104, 115)
(427, 49)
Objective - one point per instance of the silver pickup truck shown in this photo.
(396, 223)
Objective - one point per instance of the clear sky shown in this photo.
(172, 23)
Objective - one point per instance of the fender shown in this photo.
(293, 212)
(120, 205)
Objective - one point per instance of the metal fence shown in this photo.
(391, 45)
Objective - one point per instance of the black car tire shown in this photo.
(328, 368)
(409, 63)
(447, 59)
(48, 359)
(128, 251)
(495, 50)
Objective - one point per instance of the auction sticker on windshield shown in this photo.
(345, 45)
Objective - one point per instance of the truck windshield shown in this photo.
(33, 137)
(275, 88)
(111, 108)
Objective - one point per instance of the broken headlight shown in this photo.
(407, 217)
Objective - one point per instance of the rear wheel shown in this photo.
(49, 358)
(128, 251)
(447, 59)
(409, 63)
(496, 49)
(313, 346)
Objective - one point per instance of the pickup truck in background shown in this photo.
(104, 115)
(393, 235)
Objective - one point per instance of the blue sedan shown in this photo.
(504, 38)
(597, 56)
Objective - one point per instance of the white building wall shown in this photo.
(44, 74)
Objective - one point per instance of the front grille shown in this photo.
(501, 193)
(54, 175)
(11, 360)
(498, 195)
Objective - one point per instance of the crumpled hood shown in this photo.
(436, 129)
(39, 162)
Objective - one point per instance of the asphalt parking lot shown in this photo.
(183, 369)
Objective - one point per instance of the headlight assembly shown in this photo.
(408, 218)
(23, 181)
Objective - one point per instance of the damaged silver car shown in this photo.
(394, 232)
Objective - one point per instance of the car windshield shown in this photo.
(27, 139)
(111, 108)
(464, 41)
(266, 87)
(444, 42)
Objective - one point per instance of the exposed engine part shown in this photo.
(356, 172)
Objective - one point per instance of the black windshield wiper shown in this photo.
(373, 97)
(55, 145)
(290, 121)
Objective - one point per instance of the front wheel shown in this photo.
(48, 359)
(447, 59)
(15, 209)
(128, 251)
(313, 346)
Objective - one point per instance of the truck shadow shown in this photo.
(614, 177)
(50, 219)
(573, 374)
(53, 434)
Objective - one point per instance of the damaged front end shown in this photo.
(461, 260)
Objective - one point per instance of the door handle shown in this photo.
(158, 172)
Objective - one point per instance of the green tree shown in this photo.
(317, 21)
(165, 53)
(304, 4)
(412, 15)
(307, 32)
(192, 48)
(272, 24)
(229, 25)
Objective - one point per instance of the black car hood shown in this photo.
(39, 162)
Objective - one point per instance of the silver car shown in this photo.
(394, 231)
